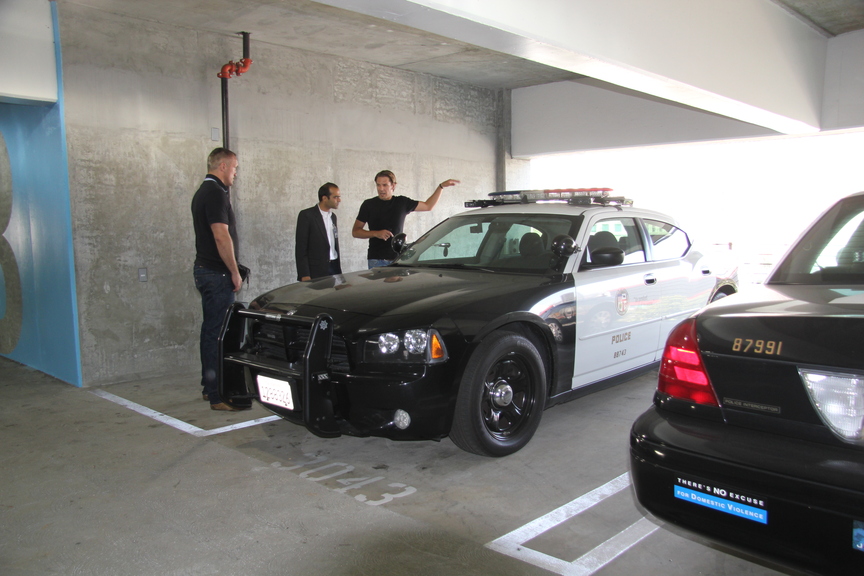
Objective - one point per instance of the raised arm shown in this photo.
(433, 199)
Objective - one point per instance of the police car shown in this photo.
(530, 299)
(756, 435)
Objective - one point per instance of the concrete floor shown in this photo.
(91, 482)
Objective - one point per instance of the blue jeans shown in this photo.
(373, 263)
(217, 295)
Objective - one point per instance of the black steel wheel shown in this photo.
(501, 396)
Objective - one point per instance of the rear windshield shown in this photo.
(832, 252)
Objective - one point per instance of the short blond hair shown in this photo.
(217, 156)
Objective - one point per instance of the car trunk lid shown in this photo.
(768, 357)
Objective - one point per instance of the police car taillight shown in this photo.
(682, 372)
(839, 399)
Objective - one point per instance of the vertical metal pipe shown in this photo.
(245, 45)
(225, 136)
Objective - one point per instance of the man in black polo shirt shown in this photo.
(217, 276)
(386, 214)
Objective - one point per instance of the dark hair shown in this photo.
(386, 174)
(325, 190)
(217, 156)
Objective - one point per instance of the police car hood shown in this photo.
(423, 293)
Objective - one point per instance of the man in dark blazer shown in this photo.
(316, 250)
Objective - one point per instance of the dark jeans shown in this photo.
(217, 295)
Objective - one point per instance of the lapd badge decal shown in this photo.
(622, 302)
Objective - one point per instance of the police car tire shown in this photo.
(499, 353)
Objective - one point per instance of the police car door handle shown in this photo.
(706, 271)
(650, 279)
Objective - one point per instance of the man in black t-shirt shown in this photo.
(217, 276)
(385, 214)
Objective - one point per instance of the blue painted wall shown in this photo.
(39, 233)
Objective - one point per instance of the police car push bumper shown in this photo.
(397, 403)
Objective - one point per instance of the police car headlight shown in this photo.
(388, 343)
(415, 341)
(415, 346)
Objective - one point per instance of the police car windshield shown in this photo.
(494, 242)
(832, 251)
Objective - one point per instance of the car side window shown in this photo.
(617, 232)
(667, 241)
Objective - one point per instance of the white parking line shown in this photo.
(511, 544)
(174, 422)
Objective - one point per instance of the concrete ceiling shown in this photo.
(834, 17)
(315, 27)
(334, 27)
(308, 25)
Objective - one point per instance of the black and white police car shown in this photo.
(532, 299)
(756, 435)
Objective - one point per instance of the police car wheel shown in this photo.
(501, 396)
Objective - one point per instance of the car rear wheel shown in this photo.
(501, 396)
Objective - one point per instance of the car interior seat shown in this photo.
(601, 239)
(530, 245)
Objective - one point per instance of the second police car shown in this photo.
(532, 299)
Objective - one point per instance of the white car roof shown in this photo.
(562, 208)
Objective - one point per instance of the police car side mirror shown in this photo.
(607, 256)
(563, 246)
(398, 242)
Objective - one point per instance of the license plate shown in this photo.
(276, 392)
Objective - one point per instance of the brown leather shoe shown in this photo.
(204, 396)
(222, 406)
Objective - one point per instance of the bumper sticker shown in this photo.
(722, 504)
(858, 535)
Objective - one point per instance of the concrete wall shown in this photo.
(141, 101)
(843, 103)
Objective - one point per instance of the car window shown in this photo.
(831, 252)
(507, 242)
(462, 242)
(617, 232)
(667, 241)
(845, 248)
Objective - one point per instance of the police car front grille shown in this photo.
(287, 343)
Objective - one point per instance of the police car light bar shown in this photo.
(576, 196)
